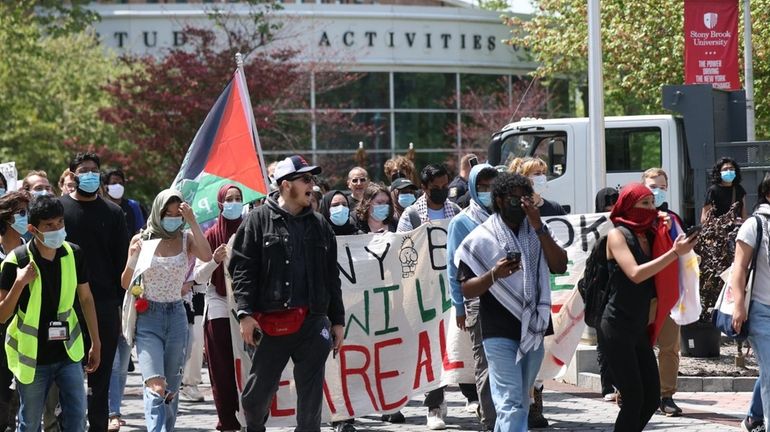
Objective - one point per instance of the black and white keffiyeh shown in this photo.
(421, 206)
(530, 302)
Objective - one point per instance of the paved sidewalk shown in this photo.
(567, 407)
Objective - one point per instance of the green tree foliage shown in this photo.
(643, 49)
(52, 79)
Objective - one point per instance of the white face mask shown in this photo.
(115, 191)
(539, 183)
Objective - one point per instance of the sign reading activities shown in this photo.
(711, 43)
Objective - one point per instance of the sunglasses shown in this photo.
(358, 180)
(307, 178)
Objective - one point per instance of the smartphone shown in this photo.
(257, 335)
(693, 231)
(473, 161)
(513, 256)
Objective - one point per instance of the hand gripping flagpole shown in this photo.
(255, 134)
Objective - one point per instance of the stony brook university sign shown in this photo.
(364, 35)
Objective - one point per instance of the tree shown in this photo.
(52, 75)
(643, 49)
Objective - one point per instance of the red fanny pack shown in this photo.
(281, 323)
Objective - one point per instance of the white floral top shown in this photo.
(164, 279)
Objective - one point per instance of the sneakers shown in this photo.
(191, 393)
(749, 425)
(610, 397)
(114, 424)
(535, 419)
(396, 417)
(669, 408)
(344, 427)
(472, 407)
(436, 418)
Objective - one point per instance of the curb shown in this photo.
(684, 383)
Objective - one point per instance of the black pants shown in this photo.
(308, 349)
(601, 357)
(434, 398)
(635, 373)
(9, 401)
(108, 320)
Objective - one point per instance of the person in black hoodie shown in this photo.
(286, 286)
(335, 207)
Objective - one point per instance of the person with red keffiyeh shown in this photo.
(643, 269)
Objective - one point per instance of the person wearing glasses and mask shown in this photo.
(358, 181)
(288, 294)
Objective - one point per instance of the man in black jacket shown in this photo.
(287, 289)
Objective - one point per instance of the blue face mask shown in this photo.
(172, 224)
(2, 191)
(380, 212)
(89, 182)
(485, 198)
(728, 176)
(20, 223)
(660, 197)
(339, 215)
(232, 210)
(406, 199)
(37, 193)
(54, 239)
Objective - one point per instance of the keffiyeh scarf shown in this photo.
(421, 206)
(530, 303)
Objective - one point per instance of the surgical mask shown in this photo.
(660, 197)
(438, 196)
(728, 176)
(513, 213)
(380, 212)
(20, 223)
(115, 191)
(232, 210)
(89, 182)
(539, 183)
(339, 215)
(54, 239)
(485, 198)
(38, 193)
(2, 191)
(172, 223)
(406, 199)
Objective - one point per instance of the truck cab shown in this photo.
(632, 145)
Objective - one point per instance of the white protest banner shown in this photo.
(8, 169)
(400, 333)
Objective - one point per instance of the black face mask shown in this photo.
(438, 196)
(512, 213)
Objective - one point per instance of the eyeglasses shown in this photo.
(307, 178)
(358, 180)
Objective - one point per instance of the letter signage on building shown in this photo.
(711, 43)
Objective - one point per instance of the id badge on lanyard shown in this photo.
(58, 331)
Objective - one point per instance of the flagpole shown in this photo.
(255, 134)
(748, 72)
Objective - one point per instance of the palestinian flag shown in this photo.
(225, 150)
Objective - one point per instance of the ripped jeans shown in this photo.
(161, 340)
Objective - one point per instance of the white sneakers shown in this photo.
(472, 407)
(436, 418)
(190, 393)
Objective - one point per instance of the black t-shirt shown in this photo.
(50, 277)
(496, 320)
(551, 208)
(99, 228)
(721, 197)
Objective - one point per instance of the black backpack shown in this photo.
(595, 284)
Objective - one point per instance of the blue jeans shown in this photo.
(161, 340)
(755, 408)
(68, 376)
(511, 382)
(759, 337)
(119, 375)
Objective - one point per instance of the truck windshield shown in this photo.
(548, 146)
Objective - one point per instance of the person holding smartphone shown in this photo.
(512, 280)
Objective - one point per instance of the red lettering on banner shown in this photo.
(328, 396)
(345, 371)
(381, 376)
(274, 410)
(442, 344)
(424, 359)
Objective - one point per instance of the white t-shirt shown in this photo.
(748, 234)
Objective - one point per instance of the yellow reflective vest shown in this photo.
(21, 337)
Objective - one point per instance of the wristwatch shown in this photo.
(542, 230)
